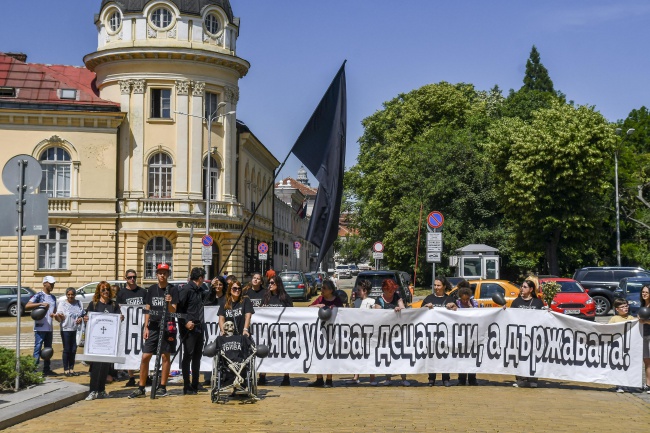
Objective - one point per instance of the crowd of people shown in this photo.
(237, 303)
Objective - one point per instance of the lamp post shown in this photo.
(618, 218)
(208, 190)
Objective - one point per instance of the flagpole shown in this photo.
(417, 248)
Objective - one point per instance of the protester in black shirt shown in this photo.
(217, 295)
(255, 291)
(390, 300)
(327, 299)
(644, 297)
(101, 303)
(132, 294)
(237, 309)
(157, 302)
(277, 297)
(527, 300)
(439, 299)
(190, 303)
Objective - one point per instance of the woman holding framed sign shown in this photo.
(102, 303)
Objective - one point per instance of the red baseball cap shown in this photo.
(163, 266)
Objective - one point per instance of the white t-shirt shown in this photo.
(368, 303)
(46, 323)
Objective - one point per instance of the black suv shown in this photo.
(377, 277)
(601, 282)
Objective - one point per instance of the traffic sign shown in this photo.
(206, 255)
(378, 256)
(11, 173)
(296, 245)
(262, 248)
(435, 219)
(434, 242)
(378, 247)
(262, 256)
(434, 257)
(207, 241)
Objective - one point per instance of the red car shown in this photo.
(572, 300)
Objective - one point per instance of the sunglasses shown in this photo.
(132, 277)
(235, 289)
(105, 290)
(272, 282)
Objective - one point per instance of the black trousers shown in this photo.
(192, 353)
(464, 377)
(445, 377)
(98, 373)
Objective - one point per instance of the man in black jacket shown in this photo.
(191, 328)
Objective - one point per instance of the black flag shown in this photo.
(321, 148)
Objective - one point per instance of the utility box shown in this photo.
(476, 261)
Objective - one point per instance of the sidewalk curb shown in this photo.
(39, 400)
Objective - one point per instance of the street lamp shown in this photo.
(618, 219)
(211, 118)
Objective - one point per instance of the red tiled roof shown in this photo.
(304, 189)
(37, 83)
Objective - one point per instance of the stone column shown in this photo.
(230, 144)
(196, 145)
(182, 121)
(125, 140)
(137, 119)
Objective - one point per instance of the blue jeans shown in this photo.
(69, 339)
(42, 339)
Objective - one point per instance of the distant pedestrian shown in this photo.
(527, 300)
(440, 299)
(43, 333)
(69, 313)
(465, 300)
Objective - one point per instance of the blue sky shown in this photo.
(593, 49)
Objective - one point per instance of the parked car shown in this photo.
(376, 278)
(483, 291)
(8, 299)
(295, 284)
(630, 289)
(354, 270)
(318, 279)
(343, 271)
(572, 300)
(86, 292)
(311, 280)
(602, 282)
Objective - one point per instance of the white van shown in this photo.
(343, 271)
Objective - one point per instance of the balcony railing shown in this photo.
(59, 204)
(174, 206)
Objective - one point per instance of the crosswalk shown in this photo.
(26, 340)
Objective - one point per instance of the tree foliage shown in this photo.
(536, 77)
(553, 176)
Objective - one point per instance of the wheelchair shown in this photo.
(233, 369)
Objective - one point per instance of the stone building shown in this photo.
(123, 143)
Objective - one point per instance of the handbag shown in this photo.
(81, 334)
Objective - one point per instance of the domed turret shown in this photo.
(302, 176)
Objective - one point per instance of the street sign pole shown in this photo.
(20, 202)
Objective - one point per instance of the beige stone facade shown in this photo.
(134, 187)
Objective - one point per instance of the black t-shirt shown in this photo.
(100, 307)
(531, 304)
(236, 347)
(438, 301)
(274, 301)
(256, 297)
(155, 299)
(388, 305)
(127, 296)
(237, 314)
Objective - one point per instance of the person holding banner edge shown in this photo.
(102, 303)
(327, 299)
(390, 300)
(155, 302)
(132, 294)
(466, 300)
(440, 299)
(527, 300)
(190, 304)
(644, 296)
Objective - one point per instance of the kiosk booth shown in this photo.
(476, 261)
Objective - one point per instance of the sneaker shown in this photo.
(103, 394)
(318, 383)
(328, 384)
(137, 393)
(646, 388)
(261, 380)
(161, 391)
(285, 381)
(516, 385)
(431, 383)
(374, 383)
(386, 383)
(533, 384)
(352, 382)
(406, 383)
(619, 389)
(131, 382)
(446, 383)
(92, 396)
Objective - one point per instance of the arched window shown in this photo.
(214, 178)
(57, 167)
(158, 250)
(161, 18)
(53, 249)
(160, 176)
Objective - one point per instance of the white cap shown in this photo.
(49, 279)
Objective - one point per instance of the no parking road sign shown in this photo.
(435, 219)
(263, 250)
(207, 241)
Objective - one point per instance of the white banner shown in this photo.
(520, 342)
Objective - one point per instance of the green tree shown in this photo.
(552, 175)
(536, 77)
(352, 249)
